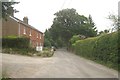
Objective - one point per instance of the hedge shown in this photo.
(103, 49)
(15, 42)
(22, 51)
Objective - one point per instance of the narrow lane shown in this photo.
(62, 65)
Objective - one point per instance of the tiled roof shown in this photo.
(20, 21)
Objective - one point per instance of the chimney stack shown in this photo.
(25, 20)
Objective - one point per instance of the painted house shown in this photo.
(17, 27)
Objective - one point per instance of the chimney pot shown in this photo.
(25, 20)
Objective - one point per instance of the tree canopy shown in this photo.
(68, 22)
(116, 21)
(7, 9)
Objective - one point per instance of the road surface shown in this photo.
(62, 65)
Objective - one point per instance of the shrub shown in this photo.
(46, 53)
(103, 49)
(47, 48)
(15, 42)
(74, 39)
(47, 43)
(85, 47)
(25, 51)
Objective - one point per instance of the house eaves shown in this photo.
(20, 21)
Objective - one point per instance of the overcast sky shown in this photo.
(41, 12)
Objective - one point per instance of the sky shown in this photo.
(41, 12)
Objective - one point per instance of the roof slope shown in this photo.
(20, 21)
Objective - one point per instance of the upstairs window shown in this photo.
(40, 36)
(24, 31)
(30, 33)
(37, 35)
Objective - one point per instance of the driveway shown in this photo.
(62, 65)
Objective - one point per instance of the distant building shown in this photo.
(16, 27)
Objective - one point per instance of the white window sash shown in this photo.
(30, 33)
(24, 31)
(40, 36)
(37, 35)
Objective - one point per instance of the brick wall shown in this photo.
(11, 27)
(36, 37)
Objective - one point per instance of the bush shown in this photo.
(47, 43)
(85, 47)
(47, 48)
(25, 51)
(46, 53)
(74, 39)
(103, 49)
(15, 42)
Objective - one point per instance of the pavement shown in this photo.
(63, 64)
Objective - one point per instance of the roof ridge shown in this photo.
(20, 21)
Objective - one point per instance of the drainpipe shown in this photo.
(19, 29)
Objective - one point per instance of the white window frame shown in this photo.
(30, 33)
(40, 35)
(37, 35)
(24, 31)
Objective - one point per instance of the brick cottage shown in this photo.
(16, 27)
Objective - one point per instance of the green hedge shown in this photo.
(21, 51)
(85, 47)
(15, 42)
(17, 45)
(103, 49)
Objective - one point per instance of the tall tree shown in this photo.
(116, 21)
(8, 9)
(68, 23)
(103, 32)
(92, 26)
(47, 39)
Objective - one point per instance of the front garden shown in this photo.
(21, 46)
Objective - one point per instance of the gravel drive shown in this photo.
(63, 64)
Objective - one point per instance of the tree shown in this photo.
(68, 23)
(7, 9)
(115, 20)
(106, 31)
(74, 39)
(103, 32)
(47, 39)
(92, 26)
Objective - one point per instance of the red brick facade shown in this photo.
(14, 26)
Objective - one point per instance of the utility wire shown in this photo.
(63, 4)
(69, 3)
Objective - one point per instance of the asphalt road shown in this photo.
(62, 65)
